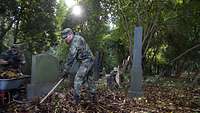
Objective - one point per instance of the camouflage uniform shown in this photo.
(80, 52)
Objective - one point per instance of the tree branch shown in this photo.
(4, 31)
(184, 53)
(126, 27)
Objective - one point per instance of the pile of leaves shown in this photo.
(156, 99)
(8, 74)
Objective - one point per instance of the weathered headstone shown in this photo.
(45, 73)
(136, 70)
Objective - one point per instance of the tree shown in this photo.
(31, 22)
(8, 13)
(38, 24)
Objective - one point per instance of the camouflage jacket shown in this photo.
(79, 51)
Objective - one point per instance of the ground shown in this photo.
(156, 99)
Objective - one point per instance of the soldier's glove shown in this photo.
(11, 61)
(65, 73)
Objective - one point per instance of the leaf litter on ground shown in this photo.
(156, 99)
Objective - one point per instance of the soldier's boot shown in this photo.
(77, 99)
(93, 98)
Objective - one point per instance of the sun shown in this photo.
(77, 10)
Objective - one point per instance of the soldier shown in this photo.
(79, 52)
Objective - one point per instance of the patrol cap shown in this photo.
(65, 32)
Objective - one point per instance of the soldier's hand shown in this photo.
(65, 73)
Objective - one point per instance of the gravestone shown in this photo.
(136, 70)
(44, 75)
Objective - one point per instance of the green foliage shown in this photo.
(61, 51)
(38, 24)
(185, 31)
(31, 22)
(61, 12)
(108, 47)
(8, 12)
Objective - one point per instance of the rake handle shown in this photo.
(43, 99)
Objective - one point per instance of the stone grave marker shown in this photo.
(44, 75)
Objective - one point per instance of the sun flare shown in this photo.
(77, 10)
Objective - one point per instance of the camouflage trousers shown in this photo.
(84, 76)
